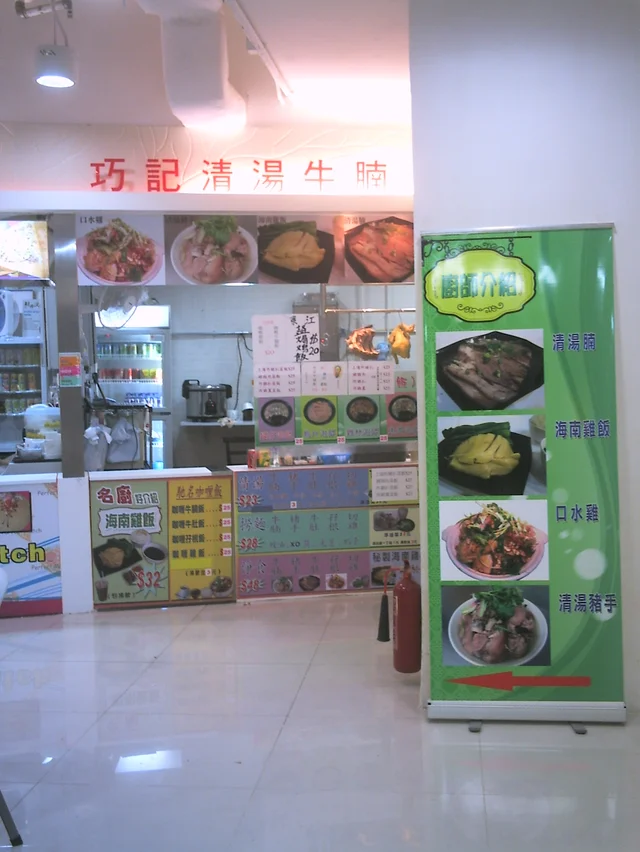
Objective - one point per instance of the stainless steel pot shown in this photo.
(205, 402)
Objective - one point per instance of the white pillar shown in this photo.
(527, 113)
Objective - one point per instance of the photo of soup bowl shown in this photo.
(155, 553)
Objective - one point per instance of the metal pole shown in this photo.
(9, 824)
(65, 276)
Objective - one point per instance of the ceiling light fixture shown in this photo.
(54, 62)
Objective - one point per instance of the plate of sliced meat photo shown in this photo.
(381, 251)
(489, 372)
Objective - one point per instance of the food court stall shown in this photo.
(153, 534)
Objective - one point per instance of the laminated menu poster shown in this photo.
(129, 541)
(30, 582)
(200, 539)
(522, 489)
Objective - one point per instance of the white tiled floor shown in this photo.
(279, 726)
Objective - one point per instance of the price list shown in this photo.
(200, 539)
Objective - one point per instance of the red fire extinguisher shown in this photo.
(407, 624)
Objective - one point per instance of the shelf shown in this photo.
(130, 382)
(23, 341)
(128, 357)
(18, 392)
(6, 368)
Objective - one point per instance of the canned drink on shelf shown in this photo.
(5, 379)
(3, 355)
(13, 382)
(140, 350)
(22, 381)
(32, 381)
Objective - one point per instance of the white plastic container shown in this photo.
(40, 419)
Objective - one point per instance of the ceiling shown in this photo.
(346, 61)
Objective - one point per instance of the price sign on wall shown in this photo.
(200, 539)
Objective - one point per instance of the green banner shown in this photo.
(522, 485)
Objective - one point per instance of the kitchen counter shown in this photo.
(235, 425)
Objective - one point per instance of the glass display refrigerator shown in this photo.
(23, 359)
(133, 367)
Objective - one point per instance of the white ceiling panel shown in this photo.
(346, 60)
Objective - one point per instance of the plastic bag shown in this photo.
(125, 444)
(96, 443)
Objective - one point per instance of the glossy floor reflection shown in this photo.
(279, 726)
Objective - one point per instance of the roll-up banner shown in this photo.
(522, 483)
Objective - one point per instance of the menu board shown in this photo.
(30, 581)
(302, 399)
(201, 539)
(159, 541)
(305, 573)
(522, 489)
(200, 249)
(321, 530)
(129, 541)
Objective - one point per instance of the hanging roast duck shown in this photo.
(360, 342)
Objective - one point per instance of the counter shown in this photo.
(160, 537)
(324, 528)
(30, 576)
(212, 444)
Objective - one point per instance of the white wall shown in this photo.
(526, 113)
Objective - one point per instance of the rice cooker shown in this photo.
(205, 402)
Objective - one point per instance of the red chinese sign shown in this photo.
(166, 175)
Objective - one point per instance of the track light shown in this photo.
(54, 66)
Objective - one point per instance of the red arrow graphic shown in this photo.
(506, 681)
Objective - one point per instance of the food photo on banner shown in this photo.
(123, 249)
(215, 249)
(522, 489)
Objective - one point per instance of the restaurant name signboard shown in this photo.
(522, 487)
(264, 161)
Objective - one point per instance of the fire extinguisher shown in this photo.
(407, 624)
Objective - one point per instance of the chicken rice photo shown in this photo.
(497, 626)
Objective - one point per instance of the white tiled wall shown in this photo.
(200, 312)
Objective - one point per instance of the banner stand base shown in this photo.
(611, 712)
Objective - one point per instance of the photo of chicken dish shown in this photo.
(498, 626)
(494, 542)
(298, 252)
(489, 372)
(335, 582)
(294, 250)
(214, 250)
(381, 251)
(118, 253)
